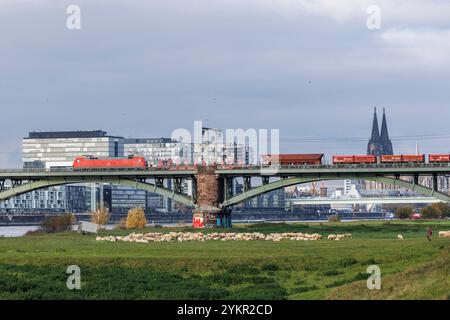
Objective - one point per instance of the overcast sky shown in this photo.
(144, 68)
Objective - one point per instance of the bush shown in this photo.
(404, 212)
(430, 212)
(436, 210)
(334, 218)
(100, 216)
(136, 219)
(37, 232)
(59, 223)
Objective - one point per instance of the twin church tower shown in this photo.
(379, 143)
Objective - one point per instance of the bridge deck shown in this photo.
(382, 169)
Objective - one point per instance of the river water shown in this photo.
(16, 231)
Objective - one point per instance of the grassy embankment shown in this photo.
(34, 267)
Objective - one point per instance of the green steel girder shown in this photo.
(57, 181)
(282, 183)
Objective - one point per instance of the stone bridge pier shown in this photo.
(207, 213)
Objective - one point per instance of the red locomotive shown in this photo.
(293, 159)
(132, 162)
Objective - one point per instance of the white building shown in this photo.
(59, 149)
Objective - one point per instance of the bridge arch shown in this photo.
(282, 183)
(56, 181)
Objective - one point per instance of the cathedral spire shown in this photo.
(384, 131)
(384, 137)
(373, 147)
(375, 133)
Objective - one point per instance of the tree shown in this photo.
(434, 211)
(100, 216)
(443, 208)
(404, 212)
(136, 219)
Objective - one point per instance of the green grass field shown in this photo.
(34, 267)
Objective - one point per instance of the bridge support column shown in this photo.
(435, 182)
(208, 198)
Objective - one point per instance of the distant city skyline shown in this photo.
(311, 69)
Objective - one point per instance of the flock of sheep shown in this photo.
(230, 236)
(198, 236)
(339, 236)
(224, 236)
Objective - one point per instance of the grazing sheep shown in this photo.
(444, 234)
(399, 237)
(331, 237)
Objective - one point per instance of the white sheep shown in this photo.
(444, 234)
(399, 237)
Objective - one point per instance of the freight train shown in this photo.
(139, 162)
(317, 159)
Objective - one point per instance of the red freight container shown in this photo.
(391, 158)
(342, 159)
(88, 162)
(364, 159)
(413, 158)
(439, 158)
(293, 159)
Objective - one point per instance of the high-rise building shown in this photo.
(379, 143)
(59, 149)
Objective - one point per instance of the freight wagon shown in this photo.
(403, 158)
(293, 159)
(354, 159)
(438, 158)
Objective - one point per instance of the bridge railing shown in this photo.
(236, 167)
(343, 166)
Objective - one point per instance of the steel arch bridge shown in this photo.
(24, 181)
(152, 180)
(282, 183)
(51, 182)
